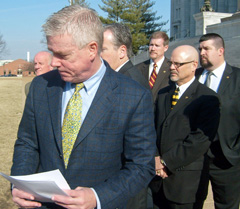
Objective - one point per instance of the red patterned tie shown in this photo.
(153, 76)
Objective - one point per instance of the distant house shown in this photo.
(17, 67)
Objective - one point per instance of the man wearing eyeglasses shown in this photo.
(156, 69)
(187, 117)
(224, 152)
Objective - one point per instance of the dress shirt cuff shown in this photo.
(98, 201)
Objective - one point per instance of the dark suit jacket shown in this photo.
(184, 135)
(131, 71)
(229, 127)
(119, 124)
(162, 77)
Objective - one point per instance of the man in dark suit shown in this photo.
(187, 117)
(157, 47)
(117, 50)
(112, 157)
(224, 152)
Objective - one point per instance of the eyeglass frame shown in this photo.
(178, 64)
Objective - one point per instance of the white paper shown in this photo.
(41, 185)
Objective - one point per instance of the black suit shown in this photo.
(184, 135)
(131, 71)
(162, 77)
(225, 151)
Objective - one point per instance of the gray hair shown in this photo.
(82, 23)
(121, 36)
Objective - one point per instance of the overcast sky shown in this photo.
(21, 21)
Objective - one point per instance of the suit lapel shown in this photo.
(185, 98)
(161, 76)
(54, 93)
(226, 78)
(102, 103)
(168, 100)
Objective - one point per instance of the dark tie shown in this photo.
(71, 123)
(208, 79)
(153, 76)
(175, 97)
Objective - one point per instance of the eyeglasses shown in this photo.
(178, 64)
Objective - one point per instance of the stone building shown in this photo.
(183, 23)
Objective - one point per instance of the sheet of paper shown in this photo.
(41, 185)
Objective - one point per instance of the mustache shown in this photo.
(174, 71)
(203, 57)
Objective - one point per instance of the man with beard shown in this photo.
(187, 117)
(224, 152)
(156, 69)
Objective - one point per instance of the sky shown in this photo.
(21, 21)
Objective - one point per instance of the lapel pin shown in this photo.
(227, 77)
(164, 71)
(186, 97)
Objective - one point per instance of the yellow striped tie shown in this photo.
(71, 123)
(153, 76)
(175, 97)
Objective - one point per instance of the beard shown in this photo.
(205, 63)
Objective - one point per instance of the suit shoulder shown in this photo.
(141, 64)
(129, 84)
(205, 90)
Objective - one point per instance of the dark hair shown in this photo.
(121, 36)
(160, 34)
(218, 40)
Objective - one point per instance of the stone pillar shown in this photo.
(204, 19)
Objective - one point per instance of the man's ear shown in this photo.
(165, 48)
(122, 51)
(221, 51)
(93, 49)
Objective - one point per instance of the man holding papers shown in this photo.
(95, 125)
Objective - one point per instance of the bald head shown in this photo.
(184, 64)
(186, 53)
(42, 62)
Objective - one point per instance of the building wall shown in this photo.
(182, 11)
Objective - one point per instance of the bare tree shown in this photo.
(2, 45)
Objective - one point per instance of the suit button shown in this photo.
(61, 156)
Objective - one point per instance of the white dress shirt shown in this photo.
(216, 77)
(159, 65)
(184, 87)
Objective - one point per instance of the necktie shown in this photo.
(71, 123)
(208, 79)
(153, 76)
(175, 97)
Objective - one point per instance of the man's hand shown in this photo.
(160, 169)
(80, 198)
(23, 199)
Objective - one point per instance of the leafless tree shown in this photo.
(2, 45)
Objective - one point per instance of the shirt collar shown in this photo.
(184, 87)
(159, 63)
(121, 66)
(218, 72)
(90, 83)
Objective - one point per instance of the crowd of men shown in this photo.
(114, 129)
